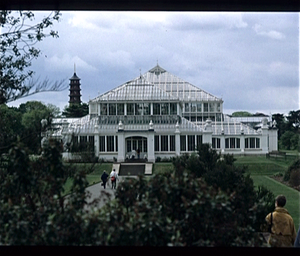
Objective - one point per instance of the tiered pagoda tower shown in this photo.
(74, 90)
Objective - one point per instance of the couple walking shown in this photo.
(113, 178)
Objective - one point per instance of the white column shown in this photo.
(150, 143)
(96, 140)
(264, 137)
(177, 140)
(121, 143)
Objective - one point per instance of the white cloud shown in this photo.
(206, 20)
(56, 63)
(271, 33)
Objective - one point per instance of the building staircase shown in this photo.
(133, 168)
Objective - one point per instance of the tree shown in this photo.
(35, 111)
(294, 120)
(76, 110)
(19, 36)
(280, 123)
(10, 126)
(241, 114)
(290, 140)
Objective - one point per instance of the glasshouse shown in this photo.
(159, 115)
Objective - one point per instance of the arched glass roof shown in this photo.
(155, 85)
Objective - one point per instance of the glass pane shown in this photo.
(103, 109)
(173, 108)
(120, 109)
(146, 109)
(156, 109)
(130, 109)
(112, 109)
(199, 107)
(193, 107)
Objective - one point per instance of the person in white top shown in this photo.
(113, 177)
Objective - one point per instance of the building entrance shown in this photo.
(136, 147)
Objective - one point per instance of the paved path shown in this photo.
(96, 191)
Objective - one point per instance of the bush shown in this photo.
(294, 166)
(295, 178)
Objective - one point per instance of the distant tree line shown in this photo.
(288, 130)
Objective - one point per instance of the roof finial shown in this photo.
(74, 68)
(157, 62)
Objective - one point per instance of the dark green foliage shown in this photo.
(294, 166)
(176, 208)
(10, 127)
(290, 140)
(172, 210)
(295, 178)
(288, 129)
(222, 174)
(32, 210)
(241, 113)
(24, 124)
(76, 110)
(265, 204)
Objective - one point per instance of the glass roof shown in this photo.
(157, 84)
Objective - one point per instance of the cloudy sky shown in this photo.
(249, 59)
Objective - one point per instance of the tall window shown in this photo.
(173, 108)
(182, 143)
(191, 142)
(199, 140)
(91, 143)
(128, 145)
(145, 145)
(164, 143)
(156, 109)
(186, 107)
(165, 108)
(252, 143)
(103, 109)
(205, 106)
(116, 143)
(232, 143)
(112, 109)
(216, 143)
(110, 143)
(211, 107)
(120, 109)
(130, 109)
(156, 143)
(102, 143)
(199, 107)
(193, 107)
(146, 110)
(172, 143)
(138, 109)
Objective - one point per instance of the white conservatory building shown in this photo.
(160, 115)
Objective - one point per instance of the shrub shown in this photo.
(295, 178)
(295, 165)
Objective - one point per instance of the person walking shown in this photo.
(104, 177)
(113, 177)
(283, 232)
